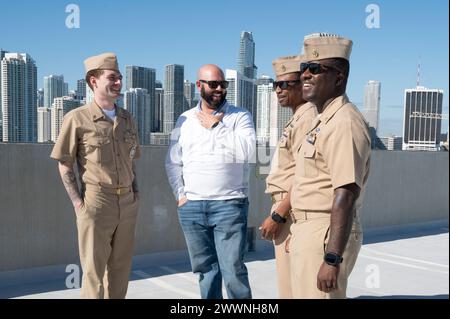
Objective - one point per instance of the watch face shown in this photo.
(277, 218)
(332, 259)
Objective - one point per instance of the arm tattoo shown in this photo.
(70, 183)
(134, 185)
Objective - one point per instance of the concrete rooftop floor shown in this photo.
(394, 263)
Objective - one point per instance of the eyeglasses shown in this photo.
(284, 84)
(215, 84)
(315, 68)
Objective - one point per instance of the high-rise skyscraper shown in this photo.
(372, 103)
(159, 106)
(137, 102)
(54, 86)
(40, 98)
(173, 95)
(144, 78)
(44, 130)
(19, 87)
(265, 90)
(60, 107)
(422, 119)
(81, 89)
(246, 89)
(65, 89)
(279, 116)
(246, 58)
(2, 55)
(89, 94)
(371, 109)
(189, 95)
(242, 91)
(140, 77)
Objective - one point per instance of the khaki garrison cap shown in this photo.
(287, 64)
(319, 46)
(104, 61)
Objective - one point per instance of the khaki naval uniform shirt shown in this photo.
(335, 152)
(283, 162)
(104, 150)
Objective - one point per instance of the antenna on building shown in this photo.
(418, 74)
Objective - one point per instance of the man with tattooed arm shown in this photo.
(102, 139)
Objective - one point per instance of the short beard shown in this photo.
(210, 101)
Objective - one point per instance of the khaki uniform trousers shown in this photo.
(282, 260)
(310, 235)
(106, 228)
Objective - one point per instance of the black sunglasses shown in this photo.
(215, 84)
(315, 68)
(284, 84)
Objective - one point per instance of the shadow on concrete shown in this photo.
(48, 279)
(18, 287)
(263, 251)
(391, 233)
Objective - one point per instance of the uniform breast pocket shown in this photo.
(284, 157)
(98, 150)
(308, 155)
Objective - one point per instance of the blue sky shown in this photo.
(154, 34)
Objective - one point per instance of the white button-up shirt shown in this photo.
(211, 164)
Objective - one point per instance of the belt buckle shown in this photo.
(118, 191)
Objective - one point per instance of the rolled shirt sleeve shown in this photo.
(347, 154)
(65, 149)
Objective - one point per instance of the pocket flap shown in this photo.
(308, 150)
(98, 141)
(282, 143)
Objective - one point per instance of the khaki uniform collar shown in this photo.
(302, 110)
(329, 112)
(299, 112)
(97, 113)
(121, 112)
(333, 107)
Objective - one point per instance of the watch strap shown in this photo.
(332, 259)
(278, 218)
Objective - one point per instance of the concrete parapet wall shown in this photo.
(37, 221)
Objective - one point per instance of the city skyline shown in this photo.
(384, 54)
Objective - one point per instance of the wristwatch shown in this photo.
(278, 218)
(332, 259)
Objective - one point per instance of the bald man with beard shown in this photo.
(208, 169)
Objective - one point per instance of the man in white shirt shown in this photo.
(208, 169)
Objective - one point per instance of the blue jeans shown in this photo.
(215, 232)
